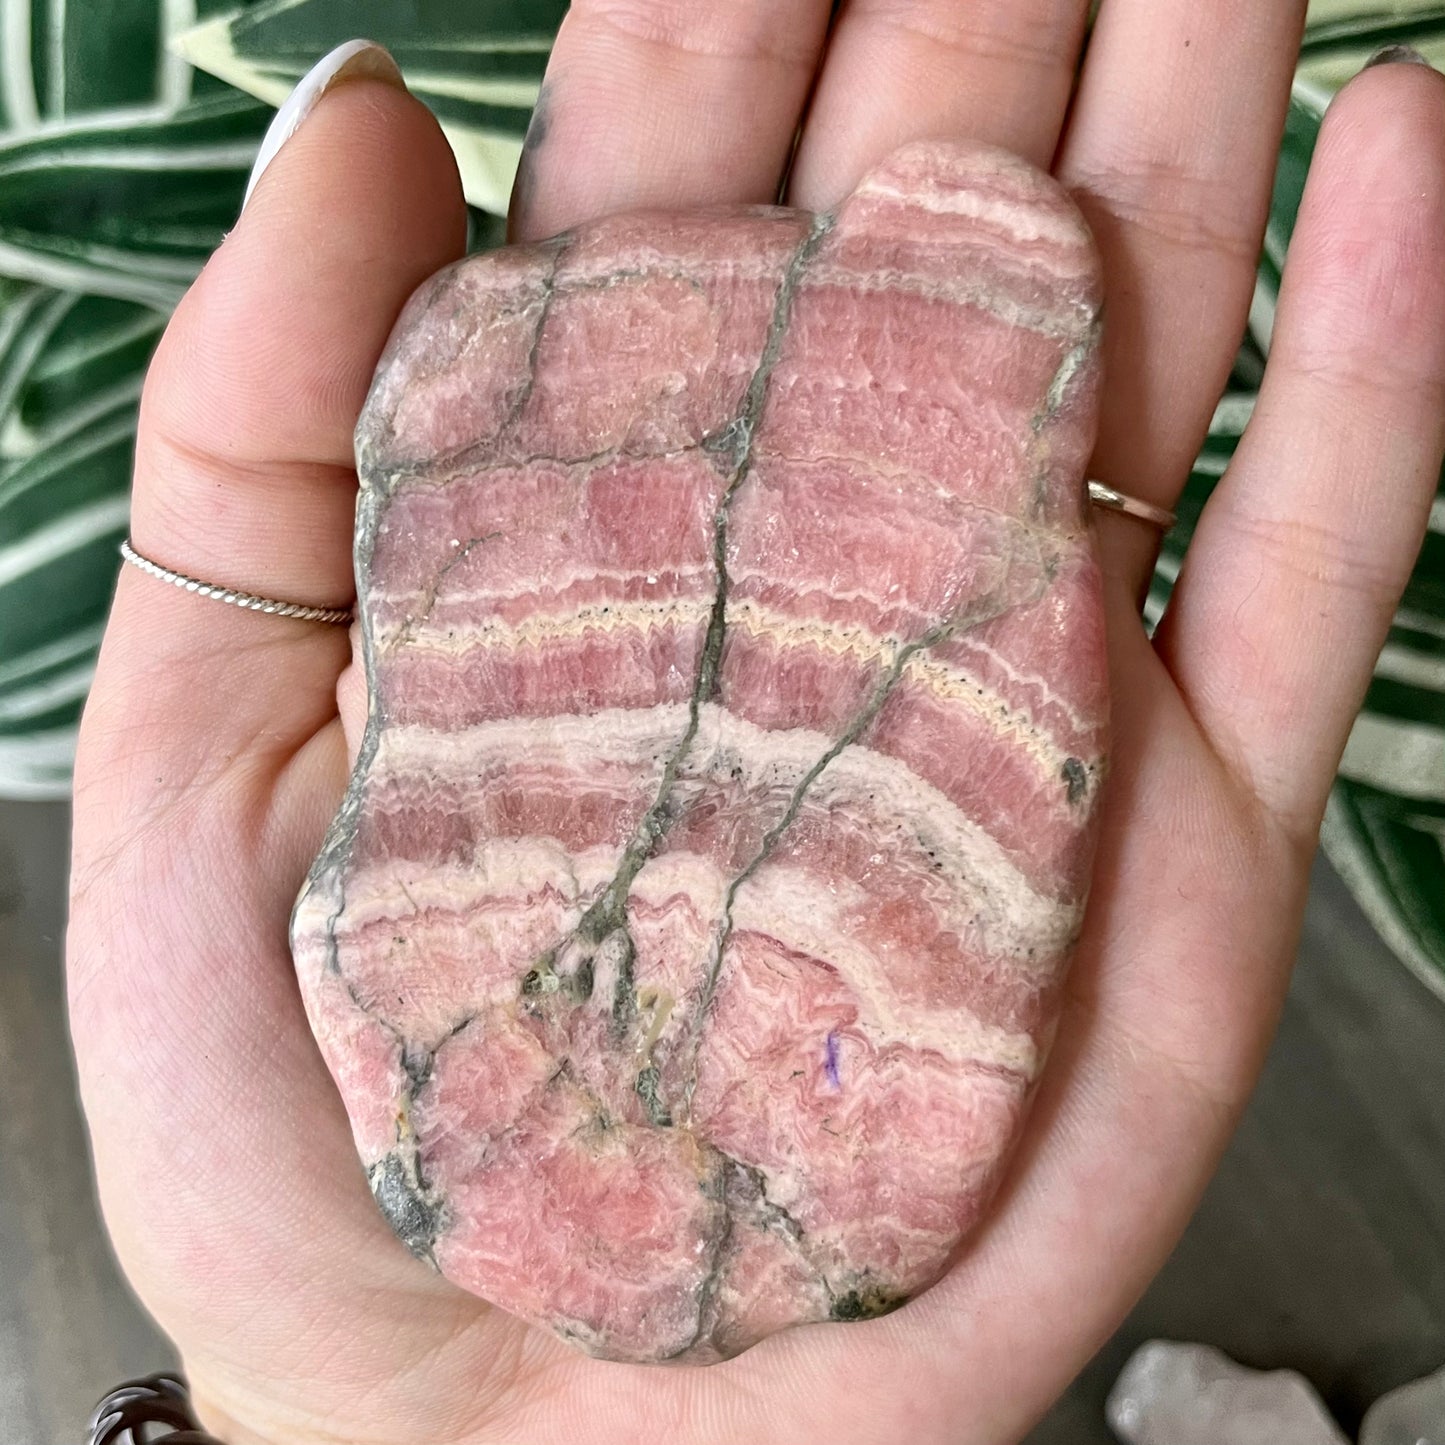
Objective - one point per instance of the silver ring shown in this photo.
(1116, 501)
(1099, 494)
(228, 594)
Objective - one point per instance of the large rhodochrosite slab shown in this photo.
(693, 930)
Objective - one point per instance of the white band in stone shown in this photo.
(1102, 495)
(1099, 494)
(252, 603)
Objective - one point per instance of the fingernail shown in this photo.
(1397, 55)
(356, 60)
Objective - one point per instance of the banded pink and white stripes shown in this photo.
(693, 931)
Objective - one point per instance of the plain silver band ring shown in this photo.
(252, 603)
(1115, 501)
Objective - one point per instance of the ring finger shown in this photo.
(1170, 153)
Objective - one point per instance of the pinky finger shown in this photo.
(1303, 551)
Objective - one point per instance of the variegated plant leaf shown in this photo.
(1343, 34)
(126, 209)
(93, 107)
(64, 59)
(477, 65)
(57, 63)
(62, 516)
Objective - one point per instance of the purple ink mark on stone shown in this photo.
(830, 1062)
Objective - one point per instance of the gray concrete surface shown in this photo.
(69, 1328)
(1321, 1244)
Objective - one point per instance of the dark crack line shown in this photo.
(467, 463)
(637, 273)
(545, 298)
(986, 609)
(1069, 368)
(771, 1214)
(415, 624)
(734, 1178)
(608, 913)
(416, 1211)
(743, 429)
(1054, 398)
(708, 1289)
(386, 479)
(419, 1060)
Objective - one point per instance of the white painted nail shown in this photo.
(356, 60)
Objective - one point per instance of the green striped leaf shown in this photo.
(478, 65)
(58, 576)
(1391, 854)
(1344, 36)
(63, 59)
(70, 376)
(129, 210)
(64, 503)
(56, 63)
(120, 167)
(70, 372)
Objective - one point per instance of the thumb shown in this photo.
(198, 801)
(244, 459)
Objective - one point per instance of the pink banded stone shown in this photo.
(691, 936)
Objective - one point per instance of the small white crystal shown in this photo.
(1171, 1394)
(1412, 1415)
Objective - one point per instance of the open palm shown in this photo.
(213, 754)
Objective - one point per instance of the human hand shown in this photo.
(212, 755)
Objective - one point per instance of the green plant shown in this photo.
(130, 126)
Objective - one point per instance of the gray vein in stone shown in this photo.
(741, 1190)
(1069, 368)
(1075, 358)
(711, 1283)
(384, 480)
(983, 610)
(415, 1212)
(770, 1214)
(478, 461)
(414, 624)
(735, 440)
(545, 298)
(635, 273)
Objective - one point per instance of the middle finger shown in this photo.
(666, 103)
(998, 71)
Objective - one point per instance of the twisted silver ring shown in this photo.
(1102, 495)
(248, 600)
(1099, 494)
